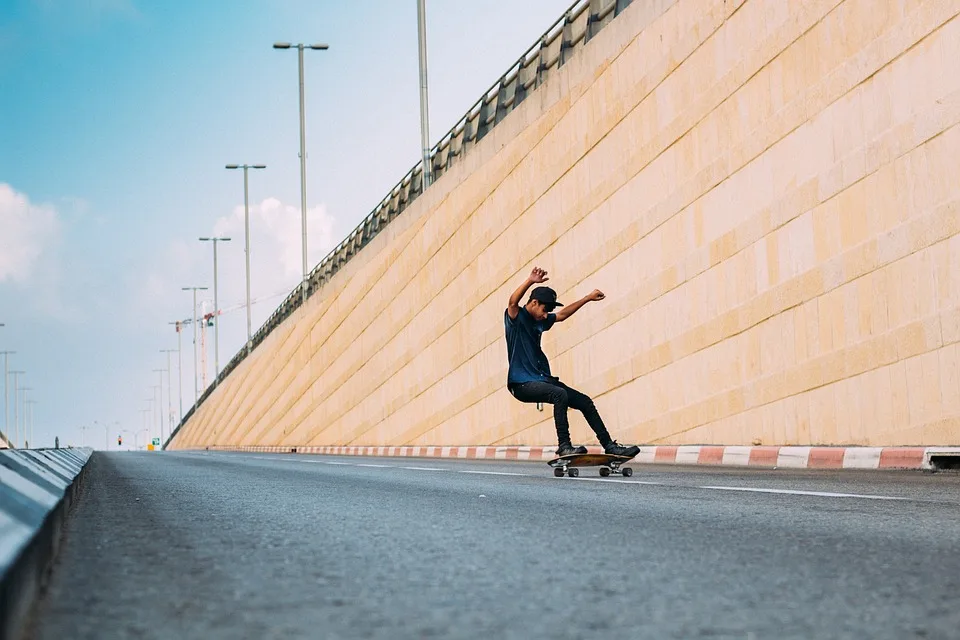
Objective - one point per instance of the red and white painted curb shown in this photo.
(735, 456)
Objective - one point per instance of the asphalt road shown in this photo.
(205, 545)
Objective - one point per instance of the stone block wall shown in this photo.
(768, 191)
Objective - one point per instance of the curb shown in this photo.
(37, 488)
(772, 457)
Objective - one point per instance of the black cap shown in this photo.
(547, 296)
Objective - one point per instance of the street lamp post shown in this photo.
(427, 175)
(160, 403)
(216, 308)
(106, 433)
(6, 393)
(83, 435)
(144, 422)
(16, 418)
(196, 383)
(246, 238)
(136, 434)
(179, 365)
(157, 405)
(303, 155)
(30, 404)
(169, 389)
(23, 415)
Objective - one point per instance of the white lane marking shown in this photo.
(618, 481)
(793, 492)
(797, 492)
(495, 473)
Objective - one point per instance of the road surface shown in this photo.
(220, 545)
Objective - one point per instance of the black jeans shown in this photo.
(561, 397)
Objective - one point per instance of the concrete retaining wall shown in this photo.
(767, 192)
(37, 488)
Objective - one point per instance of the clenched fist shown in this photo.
(596, 295)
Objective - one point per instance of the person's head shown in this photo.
(543, 300)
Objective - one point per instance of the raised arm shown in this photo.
(572, 308)
(536, 276)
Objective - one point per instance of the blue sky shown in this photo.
(116, 119)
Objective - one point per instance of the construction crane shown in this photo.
(206, 319)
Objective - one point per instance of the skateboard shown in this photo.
(609, 464)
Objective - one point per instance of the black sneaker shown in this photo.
(567, 449)
(614, 448)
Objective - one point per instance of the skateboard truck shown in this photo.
(609, 464)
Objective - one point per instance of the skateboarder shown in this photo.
(529, 378)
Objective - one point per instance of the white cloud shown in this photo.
(275, 244)
(27, 232)
(275, 262)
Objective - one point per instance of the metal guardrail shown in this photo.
(578, 25)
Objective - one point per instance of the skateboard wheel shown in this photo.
(573, 473)
(558, 472)
(627, 472)
(604, 472)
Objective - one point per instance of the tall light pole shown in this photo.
(160, 404)
(136, 434)
(169, 388)
(179, 364)
(16, 380)
(30, 405)
(216, 309)
(424, 110)
(246, 238)
(106, 433)
(144, 422)
(196, 383)
(83, 435)
(23, 415)
(303, 155)
(6, 393)
(148, 419)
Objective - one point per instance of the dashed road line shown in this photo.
(797, 492)
(793, 492)
(496, 473)
(618, 481)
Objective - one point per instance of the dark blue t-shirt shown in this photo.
(527, 360)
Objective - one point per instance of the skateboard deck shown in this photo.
(609, 464)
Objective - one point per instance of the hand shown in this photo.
(596, 295)
(538, 275)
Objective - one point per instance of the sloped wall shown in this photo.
(767, 191)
